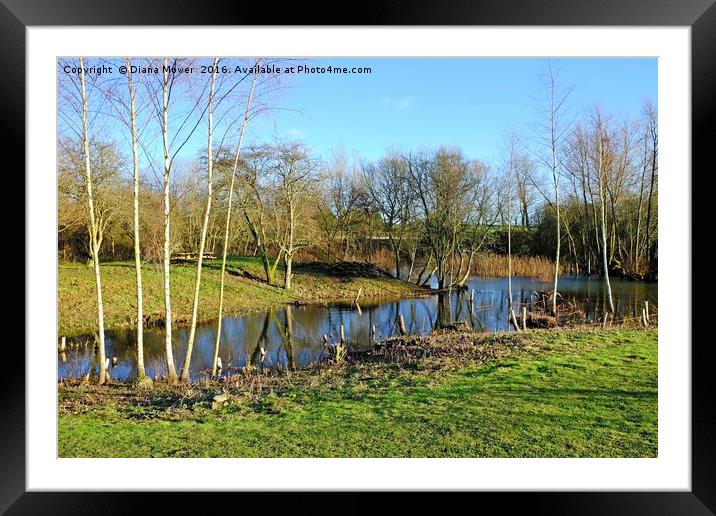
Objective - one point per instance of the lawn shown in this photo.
(542, 394)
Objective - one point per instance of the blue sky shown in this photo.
(423, 103)
(411, 103)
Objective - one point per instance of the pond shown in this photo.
(292, 336)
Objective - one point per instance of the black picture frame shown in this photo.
(17, 15)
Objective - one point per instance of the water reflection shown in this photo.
(292, 337)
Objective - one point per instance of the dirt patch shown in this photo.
(536, 320)
(345, 270)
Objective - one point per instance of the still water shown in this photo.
(292, 336)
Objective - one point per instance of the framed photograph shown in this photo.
(408, 251)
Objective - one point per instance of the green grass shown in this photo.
(77, 306)
(553, 394)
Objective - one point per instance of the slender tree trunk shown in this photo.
(419, 281)
(465, 276)
(602, 195)
(94, 243)
(228, 221)
(637, 251)
(555, 180)
(141, 373)
(510, 312)
(288, 255)
(171, 369)
(205, 226)
(648, 205)
(396, 255)
(559, 245)
(413, 252)
(288, 261)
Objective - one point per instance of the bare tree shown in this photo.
(443, 186)
(232, 182)
(161, 96)
(294, 172)
(604, 161)
(205, 224)
(389, 189)
(524, 179)
(141, 373)
(480, 217)
(341, 195)
(255, 202)
(95, 242)
(553, 130)
(652, 123)
(166, 87)
(511, 172)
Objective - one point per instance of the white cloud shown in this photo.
(404, 103)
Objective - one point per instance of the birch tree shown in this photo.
(141, 374)
(171, 146)
(511, 173)
(205, 224)
(93, 228)
(603, 163)
(232, 182)
(552, 130)
(652, 132)
(166, 87)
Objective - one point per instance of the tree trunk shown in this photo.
(94, 244)
(228, 221)
(205, 226)
(141, 372)
(511, 312)
(602, 195)
(650, 254)
(396, 255)
(419, 281)
(469, 268)
(171, 369)
(559, 244)
(288, 261)
(288, 251)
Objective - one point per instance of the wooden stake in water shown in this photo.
(646, 311)
(401, 325)
(343, 335)
(360, 291)
(524, 318)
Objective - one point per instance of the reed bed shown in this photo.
(495, 265)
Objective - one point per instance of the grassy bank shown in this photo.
(244, 291)
(540, 394)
